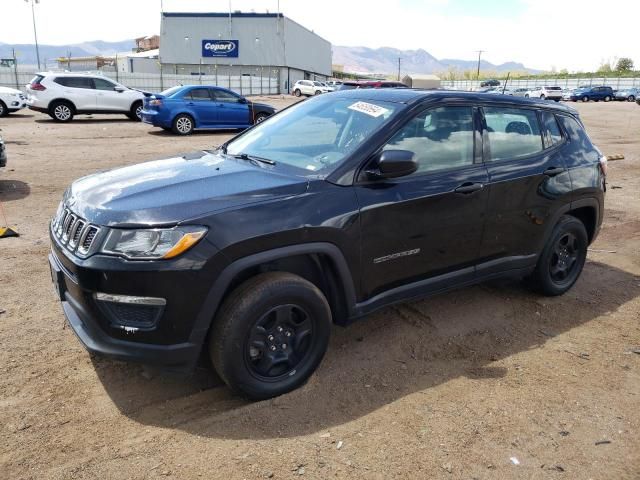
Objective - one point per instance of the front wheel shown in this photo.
(259, 118)
(630, 98)
(3, 109)
(270, 335)
(543, 97)
(297, 92)
(135, 113)
(526, 95)
(562, 258)
(183, 124)
(318, 92)
(607, 98)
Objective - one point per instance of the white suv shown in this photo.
(63, 95)
(308, 88)
(11, 100)
(545, 93)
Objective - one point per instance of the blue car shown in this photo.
(592, 93)
(187, 108)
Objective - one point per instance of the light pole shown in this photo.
(35, 33)
(480, 52)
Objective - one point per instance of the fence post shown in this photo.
(117, 78)
(15, 68)
(200, 71)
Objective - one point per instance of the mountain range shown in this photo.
(382, 60)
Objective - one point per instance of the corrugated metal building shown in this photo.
(243, 44)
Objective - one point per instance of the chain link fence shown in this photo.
(17, 77)
(617, 83)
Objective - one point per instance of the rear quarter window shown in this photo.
(552, 133)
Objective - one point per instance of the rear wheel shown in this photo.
(607, 98)
(630, 98)
(183, 124)
(318, 92)
(562, 258)
(61, 111)
(270, 335)
(3, 109)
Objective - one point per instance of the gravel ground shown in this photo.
(486, 382)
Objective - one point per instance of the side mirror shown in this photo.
(394, 164)
(119, 89)
(242, 100)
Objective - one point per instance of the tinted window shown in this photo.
(441, 138)
(512, 132)
(575, 130)
(101, 84)
(198, 94)
(224, 96)
(75, 82)
(552, 131)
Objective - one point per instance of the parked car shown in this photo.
(545, 93)
(628, 94)
(490, 83)
(566, 93)
(3, 154)
(64, 95)
(11, 100)
(330, 210)
(184, 109)
(333, 85)
(592, 93)
(520, 92)
(350, 85)
(309, 88)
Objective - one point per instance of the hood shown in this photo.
(9, 90)
(169, 191)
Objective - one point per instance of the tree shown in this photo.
(605, 67)
(625, 64)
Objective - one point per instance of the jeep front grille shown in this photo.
(74, 233)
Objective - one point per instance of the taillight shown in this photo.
(38, 86)
(603, 164)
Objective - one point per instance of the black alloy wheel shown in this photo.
(562, 259)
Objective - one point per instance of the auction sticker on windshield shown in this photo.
(368, 108)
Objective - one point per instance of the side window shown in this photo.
(101, 84)
(552, 131)
(198, 94)
(574, 130)
(512, 132)
(75, 82)
(441, 138)
(223, 96)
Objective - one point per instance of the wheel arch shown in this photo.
(321, 263)
(65, 100)
(587, 210)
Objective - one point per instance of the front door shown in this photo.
(428, 224)
(232, 110)
(202, 104)
(107, 98)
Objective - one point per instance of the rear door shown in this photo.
(232, 110)
(202, 105)
(78, 90)
(528, 183)
(427, 224)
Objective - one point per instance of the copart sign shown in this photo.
(220, 48)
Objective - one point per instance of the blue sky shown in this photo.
(541, 34)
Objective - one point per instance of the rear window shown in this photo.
(75, 82)
(553, 88)
(37, 79)
(512, 132)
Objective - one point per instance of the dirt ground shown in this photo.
(489, 382)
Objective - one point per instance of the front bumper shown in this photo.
(172, 339)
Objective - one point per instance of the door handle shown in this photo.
(221, 105)
(469, 187)
(553, 171)
(191, 104)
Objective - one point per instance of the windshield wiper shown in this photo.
(244, 156)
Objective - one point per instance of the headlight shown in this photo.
(152, 244)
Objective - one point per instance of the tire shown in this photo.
(255, 325)
(318, 92)
(183, 124)
(526, 95)
(4, 111)
(562, 258)
(134, 113)
(585, 99)
(543, 97)
(631, 98)
(297, 92)
(607, 98)
(557, 99)
(61, 111)
(260, 117)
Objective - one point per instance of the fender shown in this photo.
(583, 202)
(214, 297)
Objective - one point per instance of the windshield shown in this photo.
(170, 91)
(314, 136)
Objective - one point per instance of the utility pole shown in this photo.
(399, 59)
(35, 33)
(480, 52)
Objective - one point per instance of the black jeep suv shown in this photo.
(323, 213)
